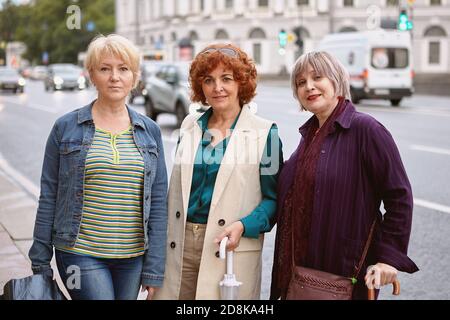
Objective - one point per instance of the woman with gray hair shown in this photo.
(103, 188)
(331, 188)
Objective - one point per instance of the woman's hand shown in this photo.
(379, 275)
(150, 291)
(234, 234)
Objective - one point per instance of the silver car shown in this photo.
(10, 79)
(168, 91)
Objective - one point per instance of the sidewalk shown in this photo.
(17, 215)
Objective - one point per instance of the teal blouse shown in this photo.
(206, 166)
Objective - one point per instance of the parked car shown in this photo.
(148, 69)
(65, 76)
(10, 79)
(38, 73)
(167, 91)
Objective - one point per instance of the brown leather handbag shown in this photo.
(311, 284)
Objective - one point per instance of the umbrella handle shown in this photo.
(229, 255)
(395, 292)
(223, 247)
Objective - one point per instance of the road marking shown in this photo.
(12, 196)
(407, 110)
(431, 205)
(33, 106)
(430, 149)
(29, 186)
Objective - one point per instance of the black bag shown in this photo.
(35, 287)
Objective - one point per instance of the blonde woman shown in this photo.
(103, 188)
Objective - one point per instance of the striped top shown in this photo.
(111, 224)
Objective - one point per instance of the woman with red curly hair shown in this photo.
(223, 181)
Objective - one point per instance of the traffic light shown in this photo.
(404, 23)
(282, 38)
(299, 42)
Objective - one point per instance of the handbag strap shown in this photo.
(366, 248)
(363, 256)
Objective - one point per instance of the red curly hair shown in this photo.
(244, 72)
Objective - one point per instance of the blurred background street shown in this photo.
(397, 53)
(420, 128)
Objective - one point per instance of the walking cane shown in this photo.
(395, 292)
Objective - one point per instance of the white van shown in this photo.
(379, 63)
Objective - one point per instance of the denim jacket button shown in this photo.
(178, 214)
(217, 254)
(173, 245)
(221, 222)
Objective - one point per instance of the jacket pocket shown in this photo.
(69, 153)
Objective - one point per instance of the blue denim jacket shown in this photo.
(60, 208)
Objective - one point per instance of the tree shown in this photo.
(8, 21)
(43, 28)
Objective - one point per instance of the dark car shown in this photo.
(65, 76)
(168, 91)
(10, 79)
(148, 69)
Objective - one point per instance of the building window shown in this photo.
(436, 35)
(392, 3)
(193, 36)
(434, 56)
(435, 32)
(202, 5)
(302, 3)
(263, 3)
(228, 4)
(221, 35)
(348, 29)
(435, 2)
(257, 35)
(348, 3)
(257, 53)
(301, 35)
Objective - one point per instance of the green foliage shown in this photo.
(8, 17)
(42, 26)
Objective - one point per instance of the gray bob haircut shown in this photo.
(325, 65)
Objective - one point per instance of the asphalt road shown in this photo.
(420, 127)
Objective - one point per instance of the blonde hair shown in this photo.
(325, 65)
(117, 46)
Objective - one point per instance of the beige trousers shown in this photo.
(193, 247)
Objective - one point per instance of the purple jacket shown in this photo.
(359, 167)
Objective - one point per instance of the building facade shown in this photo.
(168, 27)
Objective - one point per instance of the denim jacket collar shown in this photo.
(85, 114)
